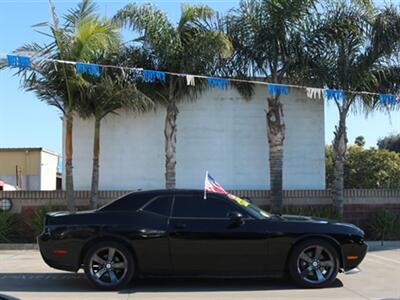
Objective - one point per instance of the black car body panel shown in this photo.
(177, 245)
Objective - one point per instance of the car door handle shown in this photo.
(180, 226)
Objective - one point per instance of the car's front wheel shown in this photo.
(109, 265)
(314, 264)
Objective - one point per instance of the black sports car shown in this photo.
(179, 233)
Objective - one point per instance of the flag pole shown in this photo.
(205, 182)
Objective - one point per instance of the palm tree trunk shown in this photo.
(69, 182)
(276, 136)
(170, 144)
(339, 157)
(95, 167)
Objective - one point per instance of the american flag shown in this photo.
(210, 185)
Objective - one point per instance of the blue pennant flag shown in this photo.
(91, 69)
(334, 94)
(219, 83)
(278, 89)
(387, 99)
(152, 76)
(18, 61)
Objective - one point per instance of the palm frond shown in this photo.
(164, 46)
(84, 9)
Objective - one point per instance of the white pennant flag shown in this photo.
(315, 93)
(190, 80)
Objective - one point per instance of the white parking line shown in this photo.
(385, 258)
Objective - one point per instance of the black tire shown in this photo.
(310, 271)
(105, 273)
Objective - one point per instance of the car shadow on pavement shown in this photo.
(213, 285)
(71, 282)
(6, 297)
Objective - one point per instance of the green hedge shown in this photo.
(7, 226)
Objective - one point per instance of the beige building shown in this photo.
(29, 169)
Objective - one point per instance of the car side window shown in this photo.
(160, 205)
(130, 202)
(190, 206)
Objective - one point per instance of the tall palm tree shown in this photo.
(104, 96)
(265, 34)
(353, 49)
(82, 35)
(192, 46)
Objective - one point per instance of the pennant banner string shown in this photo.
(24, 61)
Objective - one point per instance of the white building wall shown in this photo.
(48, 171)
(220, 132)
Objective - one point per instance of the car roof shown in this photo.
(174, 191)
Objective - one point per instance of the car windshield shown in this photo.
(252, 209)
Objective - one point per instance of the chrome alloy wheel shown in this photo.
(315, 264)
(108, 266)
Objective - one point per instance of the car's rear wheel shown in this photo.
(109, 265)
(314, 264)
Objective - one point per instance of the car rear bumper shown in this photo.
(58, 254)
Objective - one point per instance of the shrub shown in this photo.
(366, 168)
(39, 216)
(385, 225)
(6, 226)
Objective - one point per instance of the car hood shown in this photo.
(296, 218)
(346, 227)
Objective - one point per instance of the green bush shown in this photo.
(6, 226)
(39, 216)
(366, 168)
(319, 212)
(385, 225)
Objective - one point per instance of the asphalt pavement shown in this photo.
(24, 275)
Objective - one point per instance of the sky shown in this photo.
(27, 122)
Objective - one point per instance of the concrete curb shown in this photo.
(386, 245)
(372, 246)
(9, 246)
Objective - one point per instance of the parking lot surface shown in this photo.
(24, 275)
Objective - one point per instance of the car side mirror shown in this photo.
(235, 216)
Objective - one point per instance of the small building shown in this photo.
(220, 132)
(4, 186)
(30, 169)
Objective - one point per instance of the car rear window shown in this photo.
(161, 206)
(130, 202)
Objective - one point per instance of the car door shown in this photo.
(153, 245)
(205, 241)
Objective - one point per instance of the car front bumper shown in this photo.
(353, 254)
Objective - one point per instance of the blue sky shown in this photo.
(27, 122)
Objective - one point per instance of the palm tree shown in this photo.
(104, 96)
(192, 46)
(81, 36)
(353, 48)
(265, 34)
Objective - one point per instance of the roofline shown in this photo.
(29, 149)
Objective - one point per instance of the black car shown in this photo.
(179, 233)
